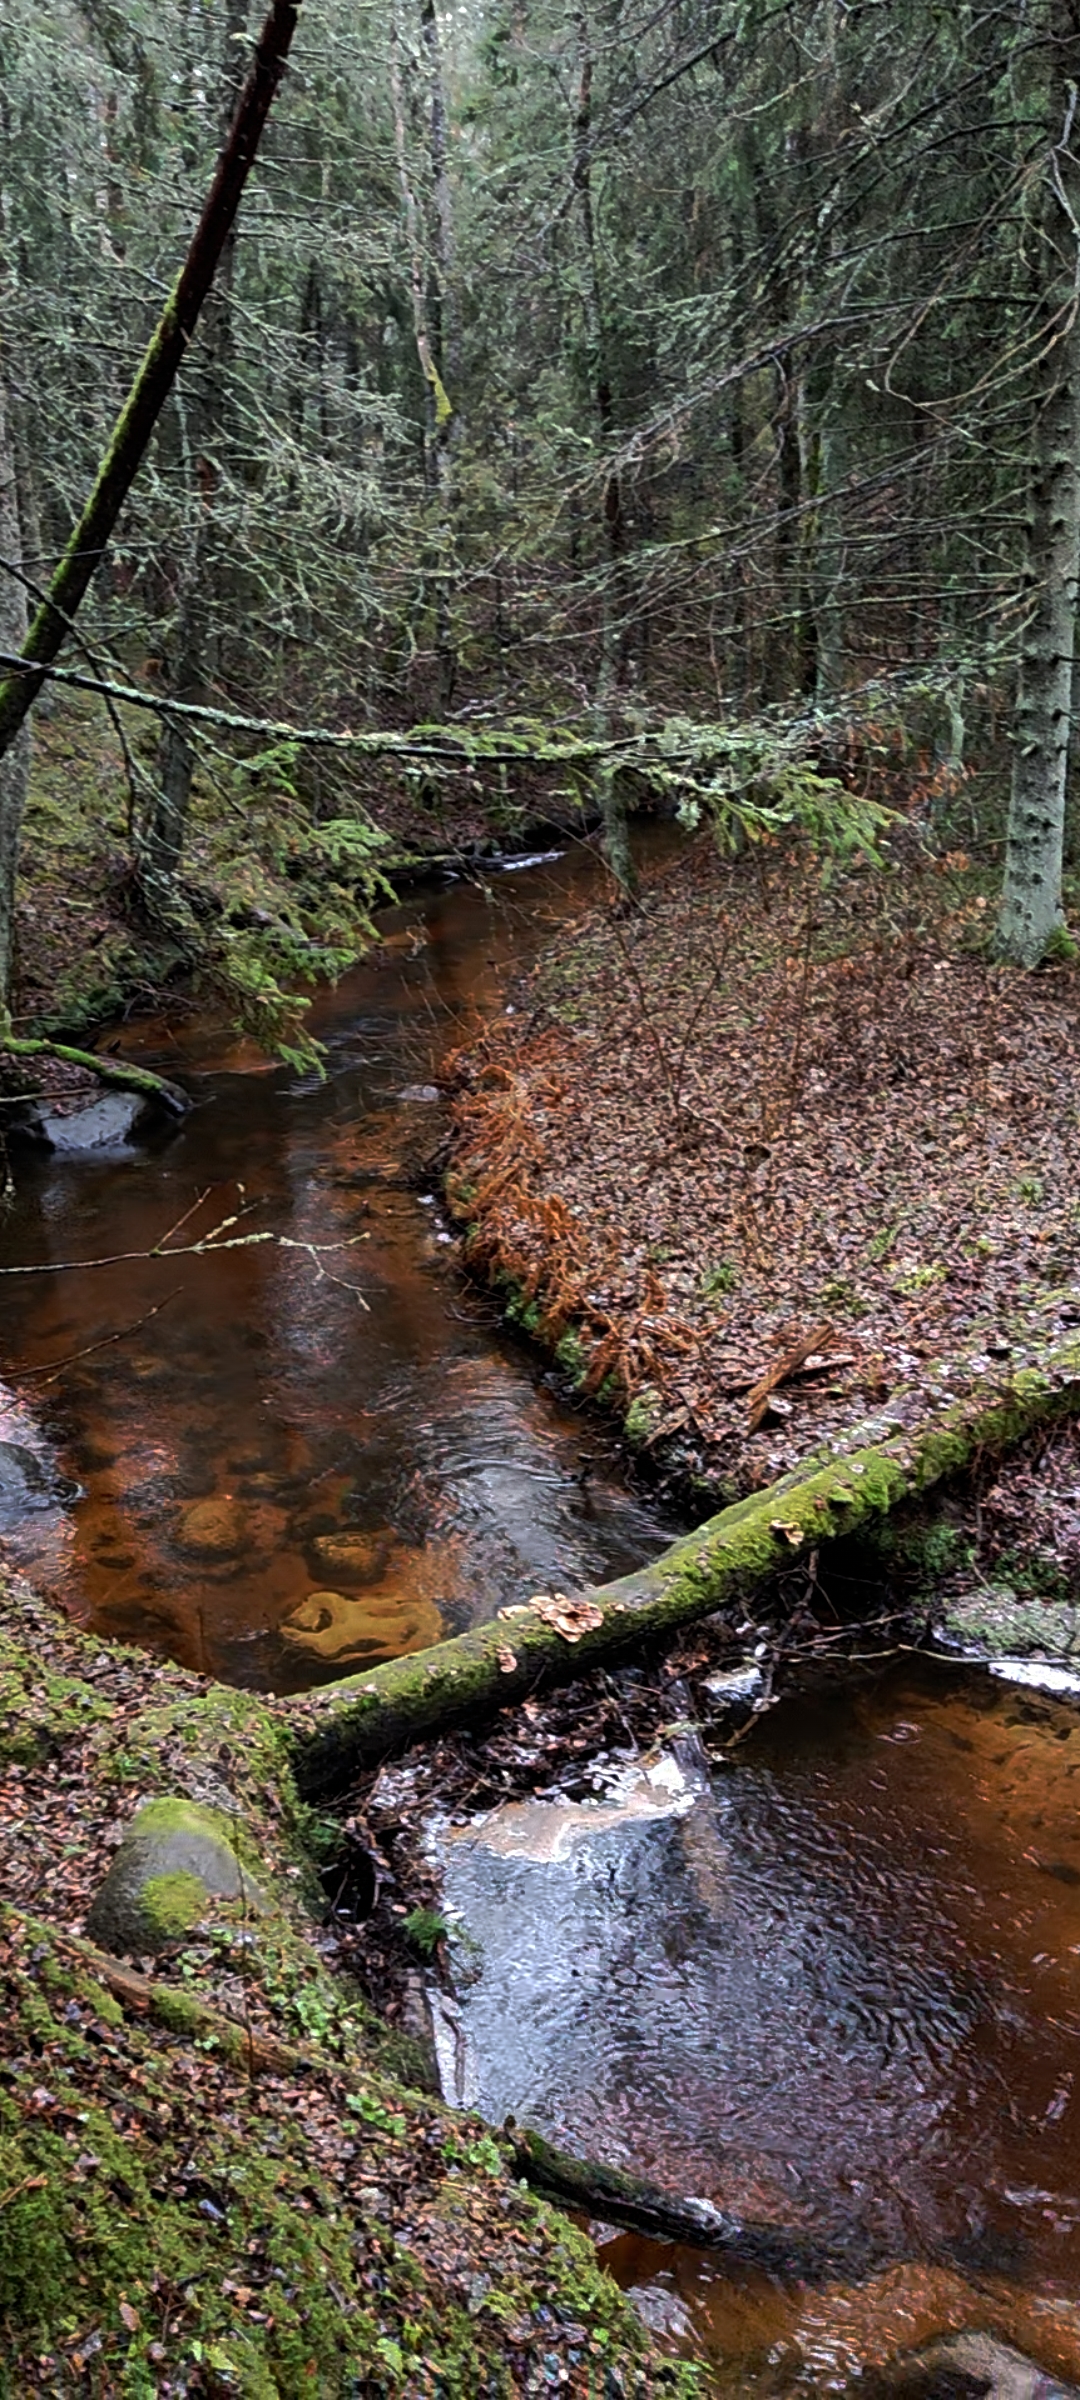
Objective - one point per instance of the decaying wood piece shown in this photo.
(181, 2011)
(854, 1483)
(757, 1403)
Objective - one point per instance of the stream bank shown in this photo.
(235, 2184)
(772, 1150)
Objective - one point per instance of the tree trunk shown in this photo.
(162, 832)
(15, 761)
(430, 245)
(356, 1722)
(610, 789)
(620, 2198)
(165, 352)
(1031, 911)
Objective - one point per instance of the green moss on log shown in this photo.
(880, 1464)
(116, 1071)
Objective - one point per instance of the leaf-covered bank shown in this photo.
(267, 2206)
(770, 1150)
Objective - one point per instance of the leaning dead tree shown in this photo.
(134, 426)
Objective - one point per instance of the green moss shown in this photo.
(179, 2011)
(40, 1710)
(926, 1549)
(642, 1417)
(34, 2267)
(1003, 1622)
(720, 1279)
(1061, 948)
(522, 1310)
(114, 2234)
(172, 1905)
(571, 1355)
(1036, 1576)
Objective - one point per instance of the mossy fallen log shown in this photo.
(117, 1071)
(619, 2198)
(854, 1485)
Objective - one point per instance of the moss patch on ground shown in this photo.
(171, 2224)
(177, 2215)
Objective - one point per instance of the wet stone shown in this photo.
(354, 1557)
(337, 1626)
(27, 1483)
(971, 2366)
(107, 1124)
(998, 1622)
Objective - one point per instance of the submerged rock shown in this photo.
(174, 1862)
(383, 1622)
(973, 2366)
(28, 1484)
(212, 1528)
(357, 1557)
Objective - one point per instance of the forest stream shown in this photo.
(835, 1986)
(300, 1459)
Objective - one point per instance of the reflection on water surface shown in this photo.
(841, 1995)
(281, 1479)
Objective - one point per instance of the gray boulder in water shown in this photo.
(972, 2366)
(107, 1124)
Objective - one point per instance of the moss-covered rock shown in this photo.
(995, 1621)
(174, 1867)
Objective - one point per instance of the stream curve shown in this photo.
(305, 1453)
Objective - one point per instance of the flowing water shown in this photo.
(838, 1996)
(314, 1451)
(840, 1992)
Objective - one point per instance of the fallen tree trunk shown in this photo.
(108, 1070)
(619, 2198)
(855, 1484)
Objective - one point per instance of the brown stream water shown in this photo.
(282, 1480)
(840, 1994)
(838, 1997)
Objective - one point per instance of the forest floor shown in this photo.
(257, 2199)
(769, 1151)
